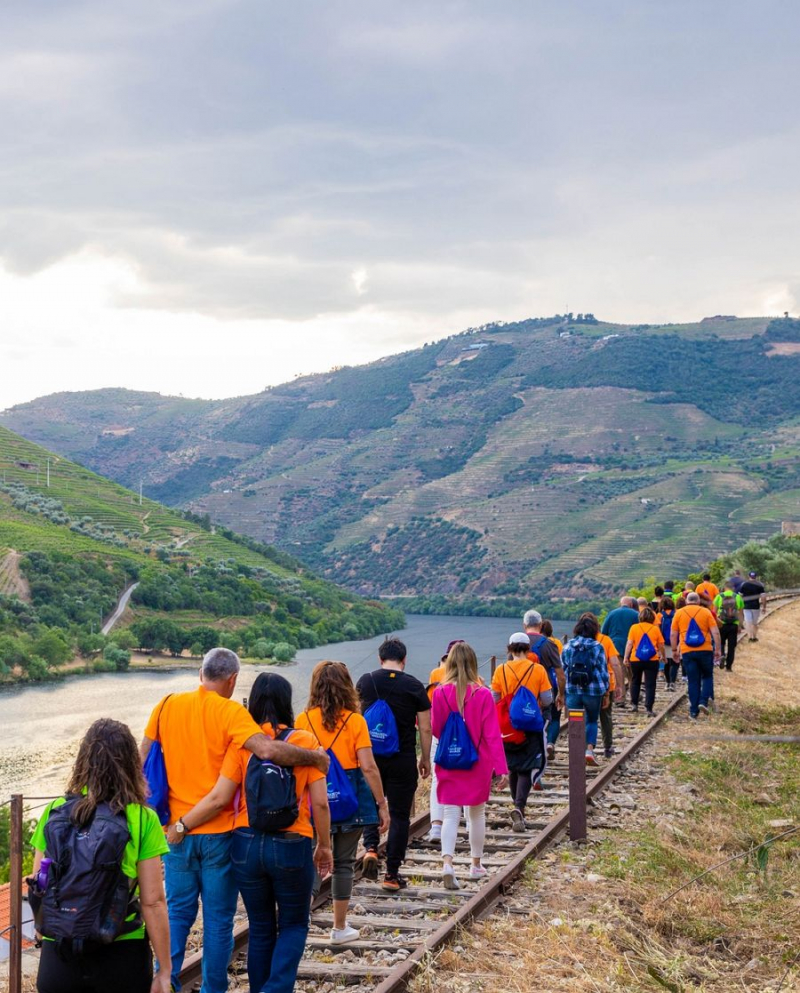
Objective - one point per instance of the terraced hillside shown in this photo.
(562, 454)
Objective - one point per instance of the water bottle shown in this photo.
(43, 873)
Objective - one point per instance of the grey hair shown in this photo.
(532, 619)
(692, 597)
(219, 664)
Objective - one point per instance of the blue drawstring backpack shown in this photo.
(666, 624)
(342, 798)
(645, 650)
(382, 726)
(155, 772)
(456, 749)
(694, 637)
(523, 711)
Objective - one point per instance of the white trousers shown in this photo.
(476, 825)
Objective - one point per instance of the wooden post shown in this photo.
(493, 664)
(577, 775)
(15, 878)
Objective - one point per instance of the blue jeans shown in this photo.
(554, 726)
(590, 702)
(275, 875)
(699, 669)
(200, 867)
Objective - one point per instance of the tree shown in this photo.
(283, 652)
(119, 657)
(52, 647)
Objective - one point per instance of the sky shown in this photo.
(206, 197)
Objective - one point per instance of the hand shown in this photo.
(560, 701)
(322, 760)
(606, 701)
(323, 860)
(174, 837)
(619, 694)
(383, 818)
(161, 982)
(501, 783)
(424, 768)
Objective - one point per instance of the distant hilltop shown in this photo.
(561, 454)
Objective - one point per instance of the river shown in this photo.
(42, 725)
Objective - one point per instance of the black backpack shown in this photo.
(88, 897)
(271, 793)
(583, 665)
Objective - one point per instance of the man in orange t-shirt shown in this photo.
(696, 643)
(616, 691)
(707, 589)
(195, 730)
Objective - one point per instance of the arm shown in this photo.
(215, 801)
(154, 912)
(561, 680)
(144, 748)
(367, 764)
(284, 753)
(424, 723)
(628, 652)
(545, 698)
(323, 856)
(716, 640)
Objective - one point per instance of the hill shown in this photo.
(560, 455)
(71, 541)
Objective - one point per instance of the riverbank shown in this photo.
(627, 911)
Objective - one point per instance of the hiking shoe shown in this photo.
(692, 717)
(394, 883)
(609, 752)
(537, 787)
(369, 865)
(651, 713)
(703, 709)
(590, 758)
(340, 936)
(635, 708)
(551, 751)
(435, 833)
(449, 880)
(478, 871)
(517, 821)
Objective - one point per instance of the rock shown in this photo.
(785, 822)
(556, 922)
(594, 877)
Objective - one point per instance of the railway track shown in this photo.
(399, 930)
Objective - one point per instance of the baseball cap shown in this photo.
(520, 638)
(752, 575)
(456, 641)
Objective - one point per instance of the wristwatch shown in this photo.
(180, 827)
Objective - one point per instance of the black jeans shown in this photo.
(123, 966)
(671, 668)
(650, 672)
(607, 726)
(729, 633)
(399, 777)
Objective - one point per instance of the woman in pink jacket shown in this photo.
(462, 691)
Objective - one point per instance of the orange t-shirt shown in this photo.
(196, 729)
(350, 734)
(436, 676)
(708, 589)
(705, 621)
(558, 643)
(636, 634)
(521, 672)
(611, 650)
(235, 768)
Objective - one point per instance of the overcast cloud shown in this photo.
(207, 196)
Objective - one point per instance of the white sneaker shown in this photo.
(435, 833)
(478, 871)
(449, 878)
(340, 936)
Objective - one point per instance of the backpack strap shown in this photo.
(158, 719)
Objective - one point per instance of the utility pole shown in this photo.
(48, 474)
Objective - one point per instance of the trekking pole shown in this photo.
(577, 775)
(15, 878)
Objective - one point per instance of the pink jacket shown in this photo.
(470, 786)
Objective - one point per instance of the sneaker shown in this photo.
(609, 752)
(369, 865)
(435, 833)
(551, 751)
(340, 936)
(590, 758)
(635, 708)
(651, 713)
(517, 821)
(703, 709)
(692, 717)
(394, 883)
(449, 878)
(478, 871)
(537, 786)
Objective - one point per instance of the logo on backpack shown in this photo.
(271, 793)
(456, 749)
(87, 898)
(694, 636)
(645, 650)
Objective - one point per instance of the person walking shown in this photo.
(436, 812)
(616, 690)
(272, 865)
(332, 716)
(754, 596)
(644, 651)
(410, 707)
(461, 692)
(696, 643)
(106, 786)
(548, 654)
(525, 750)
(730, 613)
(587, 677)
(707, 588)
(195, 731)
(664, 619)
(617, 624)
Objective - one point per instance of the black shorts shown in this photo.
(121, 967)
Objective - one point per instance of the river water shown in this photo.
(41, 726)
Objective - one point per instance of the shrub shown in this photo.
(283, 652)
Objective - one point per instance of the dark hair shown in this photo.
(670, 584)
(392, 650)
(658, 592)
(271, 700)
(546, 628)
(647, 615)
(587, 627)
(680, 602)
(109, 769)
(707, 577)
(667, 605)
(332, 691)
